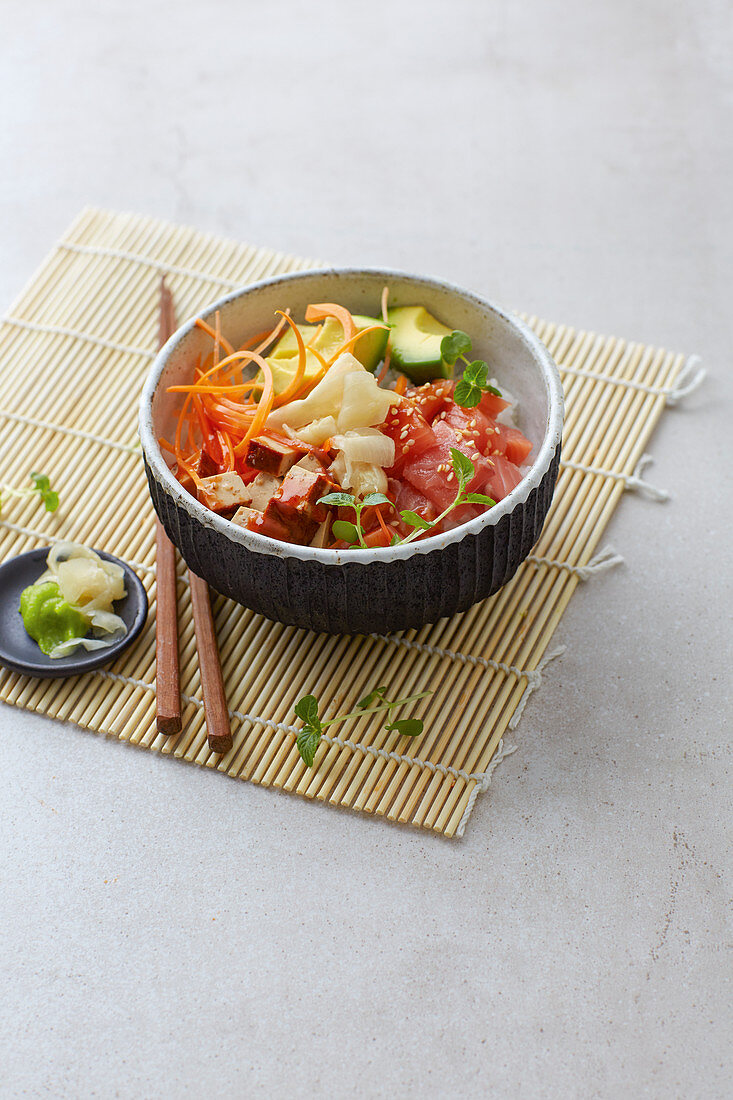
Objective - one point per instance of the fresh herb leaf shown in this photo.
(466, 395)
(478, 498)
(463, 468)
(40, 482)
(414, 520)
(477, 374)
(409, 727)
(41, 486)
(308, 740)
(372, 499)
(307, 710)
(339, 500)
(453, 346)
(372, 697)
(342, 529)
(353, 533)
(475, 381)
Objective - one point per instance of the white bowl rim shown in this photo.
(250, 540)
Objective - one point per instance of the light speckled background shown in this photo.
(167, 932)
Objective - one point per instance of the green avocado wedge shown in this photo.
(368, 349)
(415, 342)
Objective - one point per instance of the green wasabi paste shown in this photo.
(48, 618)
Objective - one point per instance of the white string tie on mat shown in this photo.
(687, 381)
(532, 676)
(146, 261)
(605, 559)
(632, 482)
(60, 330)
(32, 422)
(284, 727)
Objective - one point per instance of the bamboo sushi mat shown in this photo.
(84, 332)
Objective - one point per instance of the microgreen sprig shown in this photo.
(464, 471)
(309, 737)
(475, 381)
(41, 486)
(352, 533)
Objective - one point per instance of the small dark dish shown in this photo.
(362, 591)
(20, 653)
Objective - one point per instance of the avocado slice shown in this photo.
(416, 339)
(369, 349)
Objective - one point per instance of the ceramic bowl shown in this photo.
(375, 590)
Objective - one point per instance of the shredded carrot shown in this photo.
(401, 385)
(267, 338)
(242, 387)
(383, 525)
(311, 383)
(165, 445)
(330, 309)
(289, 393)
(200, 323)
(227, 447)
(385, 295)
(265, 403)
(217, 337)
(348, 344)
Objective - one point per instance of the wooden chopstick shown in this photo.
(167, 677)
(218, 726)
(216, 710)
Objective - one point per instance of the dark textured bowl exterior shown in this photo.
(354, 598)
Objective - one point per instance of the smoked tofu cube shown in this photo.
(311, 463)
(295, 504)
(270, 525)
(262, 490)
(205, 465)
(223, 491)
(272, 454)
(243, 515)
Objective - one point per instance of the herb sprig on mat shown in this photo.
(309, 737)
(41, 487)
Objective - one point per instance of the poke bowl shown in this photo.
(340, 587)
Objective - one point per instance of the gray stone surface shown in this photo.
(167, 932)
